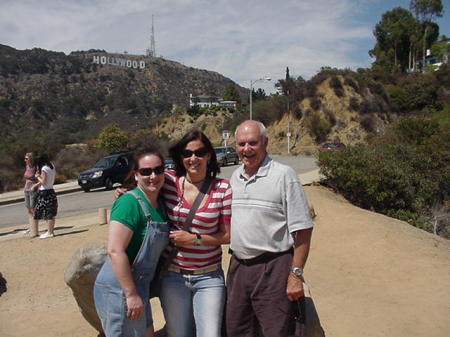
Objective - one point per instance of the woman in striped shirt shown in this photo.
(193, 289)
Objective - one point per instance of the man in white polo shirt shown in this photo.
(270, 237)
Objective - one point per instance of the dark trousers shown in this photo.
(257, 304)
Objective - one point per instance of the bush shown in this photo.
(112, 139)
(315, 103)
(336, 84)
(368, 123)
(403, 174)
(319, 128)
(352, 83)
(399, 98)
(354, 104)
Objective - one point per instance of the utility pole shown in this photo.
(288, 134)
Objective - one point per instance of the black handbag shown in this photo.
(300, 319)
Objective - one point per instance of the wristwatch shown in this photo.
(297, 271)
(198, 240)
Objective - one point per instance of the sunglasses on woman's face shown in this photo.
(201, 152)
(147, 171)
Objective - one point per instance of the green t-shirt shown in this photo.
(128, 212)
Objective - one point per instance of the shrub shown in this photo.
(352, 83)
(315, 103)
(112, 138)
(368, 123)
(399, 98)
(354, 104)
(339, 92)
(319, 128)
(402, 174)
(336, 84)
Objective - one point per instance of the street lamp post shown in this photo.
(288, 134)
(251, 92)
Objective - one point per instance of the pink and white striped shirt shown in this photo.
(215, 211)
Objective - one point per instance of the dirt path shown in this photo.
(369, 275)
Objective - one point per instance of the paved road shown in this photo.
(82, 203)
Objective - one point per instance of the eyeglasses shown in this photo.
(201, 152)
(147, 171)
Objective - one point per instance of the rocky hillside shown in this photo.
(72, 97)
(347, 115)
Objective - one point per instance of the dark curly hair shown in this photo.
(212, 169)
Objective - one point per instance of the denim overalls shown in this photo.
(108, 295)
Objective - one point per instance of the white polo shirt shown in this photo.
(266, 209)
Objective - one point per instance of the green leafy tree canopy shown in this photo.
(112, 139)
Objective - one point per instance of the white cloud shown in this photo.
(241, 39)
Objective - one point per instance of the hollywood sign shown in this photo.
(116, 61)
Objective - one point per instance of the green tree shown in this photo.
(231, 94)
(286, 86)
(440, 48)
(426, 11)
(393, 34)
(112, 139)
(258, 95)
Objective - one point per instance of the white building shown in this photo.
(204, 101)
(430, 59)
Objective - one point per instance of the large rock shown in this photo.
(80, 277)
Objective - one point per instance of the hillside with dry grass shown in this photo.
(327, 115)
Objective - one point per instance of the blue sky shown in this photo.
(241, 39)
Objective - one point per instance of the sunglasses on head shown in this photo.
(147, 171)
(203, 151)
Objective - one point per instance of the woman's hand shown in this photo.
(182, 238)
(135, 307)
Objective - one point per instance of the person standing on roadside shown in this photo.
(30, 195)
(46, 202)
(271, 230)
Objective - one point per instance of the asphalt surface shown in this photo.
(73, 202)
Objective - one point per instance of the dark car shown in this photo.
(332, 146)
(107, 171)
(226, 155)
(169, 164)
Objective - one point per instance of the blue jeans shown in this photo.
(193, 303)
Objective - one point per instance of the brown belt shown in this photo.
(194, 271)
(263, 258)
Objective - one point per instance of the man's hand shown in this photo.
(294, 289)
(119, 191)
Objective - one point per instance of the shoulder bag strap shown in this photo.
(190, 216)
(196, 204)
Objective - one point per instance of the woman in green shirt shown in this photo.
(138, 233)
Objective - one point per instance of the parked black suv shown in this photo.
(226, 155)
(107, 171)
